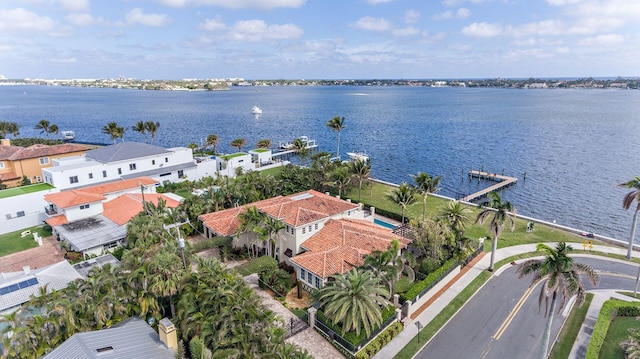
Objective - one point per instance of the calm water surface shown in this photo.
(574, 145)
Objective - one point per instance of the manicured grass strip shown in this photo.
(12, 242)
(16, 191)
(272, 171)
(618, 332)
(254, 265)
(570, 330)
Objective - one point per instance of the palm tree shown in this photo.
(361, 171)
(270, 228)
(140, 128)
(404, 196)
(264, 143)
(239, 143)
(43, 126)
(212, 140)
(391, 263)
(250, 219)
(629, 199)
(426, 184)
(7, 127)
(54, 129)
(111, 129)
(354, 300)
(561, 276)
(193, 146)
(337, 124)
(340, 178)
(631, 346)
(119, 132)
(456, 215)
(500, 212)
(152, 128)
(166, 276)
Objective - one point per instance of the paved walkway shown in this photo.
(308, 339)
(48, 253)
(445, 297)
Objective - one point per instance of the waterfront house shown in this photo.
(227, 165)
(93, 220)
(19, 210)
(122, 161)
(17, 162)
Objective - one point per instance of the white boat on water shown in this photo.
(68, 135)
(358, 155)
(256, 110)
(306, 142)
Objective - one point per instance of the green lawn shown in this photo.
(570, 330)
(12, 242)
(16, 191)
(254, 265)
(271, 171)
(618, 332)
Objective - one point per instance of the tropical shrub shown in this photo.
(380, 341)
(431, 279)
(600, 329)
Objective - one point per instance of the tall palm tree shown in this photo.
(54, 129)
(141, 129)
(166, 276)
(152, 128)
(238, 143)
(500, 213)
(340, 178)
(629, 199)
(354, 300)
(403, 196)
(250, 219)
(14, 129)
(43, 126)
(111, 129)
(426, 184)
(264, 143)
(270, 228)
(361, 170)
(7, 127)
(562, 277)
(212, 140)
(336, 124)
(456, 215)
(119, 132)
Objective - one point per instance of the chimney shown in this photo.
(5, 142)
(168, 333)
(26, 270)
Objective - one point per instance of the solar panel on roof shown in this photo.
(17, 286)
(301, 196)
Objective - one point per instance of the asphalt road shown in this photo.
(501, 321)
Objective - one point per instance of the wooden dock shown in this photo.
(503, 181)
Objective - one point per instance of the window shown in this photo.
(316, 226)
(132, 166)
(90, 175)
(303, 273)
(104, 173)
(110, 245)
(166, 159)
(317, 282)
(38, 179)
(153, 162)
(1, 164)
(73, 179)
(293, 231)
(20, 214)
(165, 174)
(309, 275)
(44, 160)
(119, 171)
(309, 229)
(84, 206)
(303, 230)
(348, 213)
(180, 173)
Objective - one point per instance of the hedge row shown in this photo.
(610, 308)
(352, 337)
(431, 279)
(380, 341)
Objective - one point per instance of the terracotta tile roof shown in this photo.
(8, 176)
(57, 220)
(72, 197)
(122, 185)
(120, 210)
(342, 244)
(294, 210)
(7, 151)
(40, 150)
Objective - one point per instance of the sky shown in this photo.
(319, 39)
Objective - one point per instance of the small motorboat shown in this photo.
(68, 135)
(256, 110)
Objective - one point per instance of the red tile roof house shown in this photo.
(93, 220)
(311, 218)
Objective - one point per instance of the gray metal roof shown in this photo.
(56, 276)
(157, 171)
(84, 267)
(133, 338)
(125, 151)
(91, 232)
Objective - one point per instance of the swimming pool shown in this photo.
(384, 224)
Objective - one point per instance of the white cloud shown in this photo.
(603, 40)
(407, 31)
(78, 19)
(212, 24)
(237, 4)
(540, 28)
(372, 24)
(378, 1)
(563, 2)
(461, 13)
(483, 29)
(75, 5)
(258, 30)
(412, 16)
(21, 20)
(453, 3)
(137, 16)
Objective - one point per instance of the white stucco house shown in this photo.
(122, 161)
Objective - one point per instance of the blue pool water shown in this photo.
(384, 224)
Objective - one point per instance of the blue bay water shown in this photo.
(574, 145)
